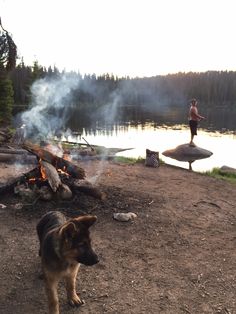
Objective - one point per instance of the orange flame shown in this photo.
(32, 180)
(63, 171)
(66, 156)
(42, 170)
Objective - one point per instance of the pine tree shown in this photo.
(8, 55)
(6, 101)
(8, 49)
(37, 71)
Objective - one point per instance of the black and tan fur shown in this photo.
(64, 244)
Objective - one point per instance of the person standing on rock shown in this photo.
(194, 117)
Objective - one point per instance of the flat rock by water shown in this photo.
(185, 152)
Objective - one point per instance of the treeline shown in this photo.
(8, 55)
(212, 88)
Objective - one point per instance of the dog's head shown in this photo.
(76, 242)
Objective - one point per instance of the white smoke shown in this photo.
(50, 105)
(110, 110)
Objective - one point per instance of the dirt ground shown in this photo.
(177, 256)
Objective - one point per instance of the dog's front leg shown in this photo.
(73, 298)
(51, 284)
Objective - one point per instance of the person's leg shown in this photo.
(193, 130)
(191, 141)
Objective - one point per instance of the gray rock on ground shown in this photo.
(187, 153)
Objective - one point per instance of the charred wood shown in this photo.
(58, 162)
(11, 183)
(50, 173)
(14, 151)
(85, 187)
(13, 157)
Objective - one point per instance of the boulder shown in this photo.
(227, 170)
(187, 153)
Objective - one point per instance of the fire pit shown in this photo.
(52, 177)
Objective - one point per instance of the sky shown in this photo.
(133, 38)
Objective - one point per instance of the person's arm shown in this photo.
(201, 117)
(195, 114)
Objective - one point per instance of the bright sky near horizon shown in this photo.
(124, 37)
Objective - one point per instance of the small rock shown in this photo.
(124, 216)
(18, 206)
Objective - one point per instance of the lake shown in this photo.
(160, 138)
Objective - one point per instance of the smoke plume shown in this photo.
(50, 106)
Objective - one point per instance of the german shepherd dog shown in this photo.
(64, 244)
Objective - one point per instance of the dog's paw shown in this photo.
(75, 301)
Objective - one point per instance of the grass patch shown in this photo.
(217, 173)
(129, 160)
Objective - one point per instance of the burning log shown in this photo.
(57, 162)
(50, 173)
(9, 186)
(54, 176)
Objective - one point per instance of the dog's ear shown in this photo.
(69, 230)
(87, 220)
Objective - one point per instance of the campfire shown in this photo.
(52, 177)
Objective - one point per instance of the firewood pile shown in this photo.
(52, 177)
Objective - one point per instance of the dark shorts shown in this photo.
(193, 126)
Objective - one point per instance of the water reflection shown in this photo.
(160, 129)
(161, 138)
(217, 119)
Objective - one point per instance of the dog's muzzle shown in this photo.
(89, 259)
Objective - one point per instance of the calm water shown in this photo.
(144, 136)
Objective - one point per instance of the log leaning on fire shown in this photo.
(54, 180)
(51, 174)
(58, 162)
